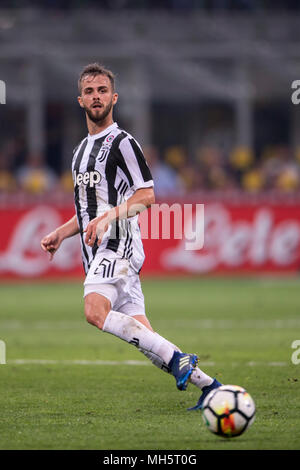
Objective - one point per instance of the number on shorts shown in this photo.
(107, 266)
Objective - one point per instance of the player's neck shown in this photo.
(95, 128)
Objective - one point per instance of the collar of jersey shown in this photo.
(104, 132)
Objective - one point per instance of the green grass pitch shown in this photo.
(242, 330)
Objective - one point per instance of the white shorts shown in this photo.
(113, 278)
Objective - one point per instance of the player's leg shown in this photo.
(144, 320)
(127, 328)
(198, 378)
(136, 308)
(138, 331)
(111, 283)
(98, 312)
(96, 309)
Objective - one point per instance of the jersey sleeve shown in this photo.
(134, 165)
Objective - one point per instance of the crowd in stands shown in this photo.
(174, 171)
(211, 169)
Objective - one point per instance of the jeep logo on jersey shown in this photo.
(89, 178)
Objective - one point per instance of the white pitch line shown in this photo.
(130, 363)
(219, 324)
(271, 364)
(77, 362)
(202, 324)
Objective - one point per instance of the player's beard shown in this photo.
(98, 115)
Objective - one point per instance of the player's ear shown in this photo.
(115, 98)
(80, 101)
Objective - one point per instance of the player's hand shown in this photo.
(96, 229)
(51, 243)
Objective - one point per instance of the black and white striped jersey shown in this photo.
(107, 169)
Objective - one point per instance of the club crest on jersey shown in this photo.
(105, 148)
(89, 178)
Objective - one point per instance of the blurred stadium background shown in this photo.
(205, 86)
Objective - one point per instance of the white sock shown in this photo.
(198, 377)
(134, 332)
(156, 360)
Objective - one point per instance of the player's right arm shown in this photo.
(53, 240)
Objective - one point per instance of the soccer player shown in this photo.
(112, 185)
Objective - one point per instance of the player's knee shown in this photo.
(94, 316)
(96, 310)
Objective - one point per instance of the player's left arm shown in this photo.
(141, 200)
